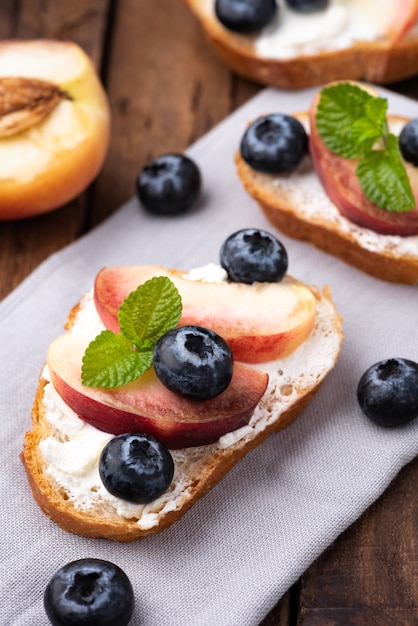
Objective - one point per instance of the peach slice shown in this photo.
(338, 177)
(55, 125)
(393, 17)
(261, 322)
(145, 405)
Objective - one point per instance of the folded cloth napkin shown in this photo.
(232, 556)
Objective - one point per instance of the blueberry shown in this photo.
(194, 362)
(388, 392)
(251, 255)
(245, 16)
(307, 6)
(274, 144)
(136, 467)
(408, 141)
(169, 185)
(89, 592)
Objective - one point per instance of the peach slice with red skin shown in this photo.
(145, 405)
(261, 322)
(338, 177)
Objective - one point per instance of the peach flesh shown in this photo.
(147, 406)
(52, 162)
(340, 182)
(260, 322)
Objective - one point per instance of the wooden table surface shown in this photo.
(166, 89)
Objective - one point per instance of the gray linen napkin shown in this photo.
(239, 549)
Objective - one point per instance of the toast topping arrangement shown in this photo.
(359, 161)
(342, 175)
(291, 28)
(294, 44)
(135, 422)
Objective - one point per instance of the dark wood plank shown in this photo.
(166, 89)
(9, 10)
(82, 21)
(283, 613)
(370, 575)
(25, 244)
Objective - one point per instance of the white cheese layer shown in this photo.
(340, 25)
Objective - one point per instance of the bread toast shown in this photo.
(383, 60)
(298, 205)
(293, 381)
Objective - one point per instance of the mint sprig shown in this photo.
(115, 359)
(353, 124)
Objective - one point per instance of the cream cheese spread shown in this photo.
(304, 190)
(340, 25)
(73, 462)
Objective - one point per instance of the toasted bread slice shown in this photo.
(298, 205)
(93, 512)
(390, 57)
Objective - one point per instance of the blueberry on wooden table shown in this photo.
(136, 467)
(253, 255)
(169, 185)
(388, 392)
(307, 6)
(194, 362)
(245, 16)
(274, 144)
(89, 592)
(408, 141)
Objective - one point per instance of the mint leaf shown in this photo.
(339, 108)
(352, 123)
(115, 359)
(368, 129)
(376, 111)
(150, 311)
(111, 361)
(383, 178)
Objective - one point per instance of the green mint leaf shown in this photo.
(339, 110)
(367, 130)
(376, 111)
(352, 123)
(111, 361)
(150, 311)
(383, 178)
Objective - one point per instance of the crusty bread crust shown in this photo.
(376, 62)
(201, 467)
(387, 262)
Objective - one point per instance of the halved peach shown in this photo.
(54, 126)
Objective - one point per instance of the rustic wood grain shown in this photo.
(284, 612)
(370, 575)
(166, 90)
